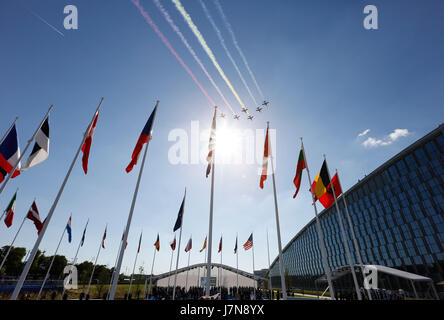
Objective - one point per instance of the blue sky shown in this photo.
(327, 78)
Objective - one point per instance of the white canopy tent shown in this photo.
(411, 277)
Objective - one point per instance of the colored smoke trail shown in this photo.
(207, 49)
(236, 44)
(190, 49)
(222, 42)
(165, 41)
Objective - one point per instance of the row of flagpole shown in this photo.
(144, 138)
(46, 222)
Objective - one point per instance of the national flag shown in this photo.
(34, 216)
(178, 223)
(140, 242)
(123, 237)
(9, 154)
(322, 181)
(327, 198)
(157, 243)
(10, 211)
(220, 245)
(204, 245)
(143, 138)
(298, 177)
(84, 233)
(68, 229)
(173, 244)
(235, 246)
(265, 162)
(103, 239)
(189, 245)
(87, 144)
(41, 147)
(211, 144)
(249, 243)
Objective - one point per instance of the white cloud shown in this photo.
(363, 133)
(392, 137)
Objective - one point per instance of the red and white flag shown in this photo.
(34, 216)
(211, 144)
(103, 239)
(87, 144)
(220, 245)
(264, 162)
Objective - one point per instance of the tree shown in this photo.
(13, 264)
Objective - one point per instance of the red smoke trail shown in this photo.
(165, 41)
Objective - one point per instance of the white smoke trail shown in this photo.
(207, 49)
(190, 49)
(236, 44)
(222, 42)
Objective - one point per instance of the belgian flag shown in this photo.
(322, 187)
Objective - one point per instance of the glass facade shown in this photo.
(397, 214)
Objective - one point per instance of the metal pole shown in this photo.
(151, 275)
(132, 275)
(270, 287)
(178, 248)
(220, 274)
(130, 216)
(254, 280)
(237, 263)
(73, 262)
(24, 151)
(321, 239)
(169, 273)
(94, 268)
(350, 223)
(344, 236)
(10, 246)
(50, 265)
(210, 230)
(278, 228)
(186, 279)
(25, 271)
(114, 271)
(9, 130)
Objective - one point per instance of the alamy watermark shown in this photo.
(233, 146)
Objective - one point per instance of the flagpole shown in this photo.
(50, 265)
(270, 287)
(254, 281)
(132, 275)
(344, 236)
(95, 263)
(278, 228)
(151, 275)
(321, 239)
(220, 274)
(237, 263)
(186, 279)
(74, 260)
(10, 246)
(114, 271)
(169, 273)
(178, 247)
(25, 271)
(78, 248)
(9, 130)
(24, 151)
(130, 216)
(210, 228)
(350, 223)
